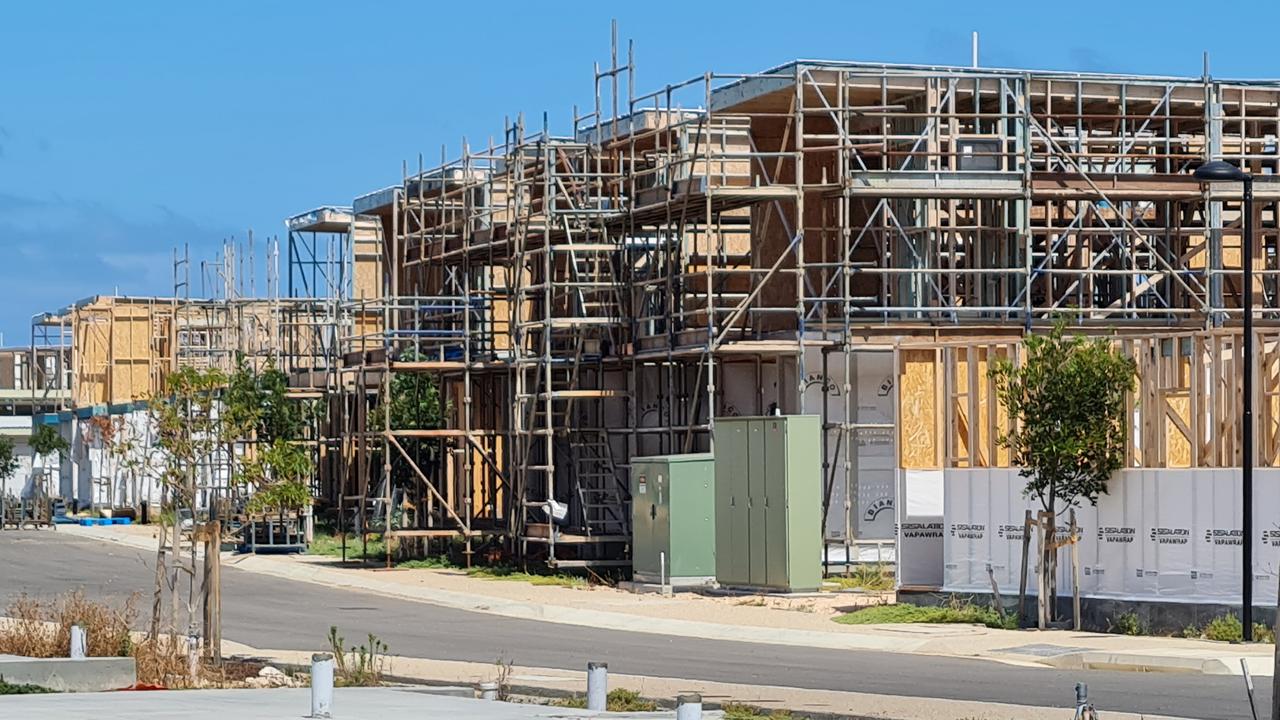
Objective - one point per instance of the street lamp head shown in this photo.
(1219, 171)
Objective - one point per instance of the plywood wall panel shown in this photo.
(918, 419)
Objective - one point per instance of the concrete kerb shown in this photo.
(91, 674)
(1171, 663)
(1141, 660)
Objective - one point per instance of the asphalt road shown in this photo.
(267, 612)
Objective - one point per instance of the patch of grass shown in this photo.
(1227, 628)
(1126, 624)
(430, 563)
(7, 688)
(872, 578)
(738, 711)
(959, 614)
(330, 545)
(503, 572)
(751, 602)
(618, 700)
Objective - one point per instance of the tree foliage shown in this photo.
(186, 426)
(8, 460)
(279, 472)
(256, 405)
(1068, 402)
(415, 401)
(46, 440)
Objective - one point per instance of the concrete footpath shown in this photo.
(348, 704)
(801, 622)
(551, 683)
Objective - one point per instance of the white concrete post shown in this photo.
(79, 643)
(193, 653)
(489, 690)
(689, 706)
(597, 686)
(322, 685)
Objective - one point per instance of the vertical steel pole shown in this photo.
(1246, 585)
(597, 686)
(79, 643)
(689, 706)
(322, 666)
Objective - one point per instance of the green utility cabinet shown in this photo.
(769, 502)
(673, 519)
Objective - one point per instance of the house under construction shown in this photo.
(852, 240)
(118, 352)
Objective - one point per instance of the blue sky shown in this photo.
(129, 128)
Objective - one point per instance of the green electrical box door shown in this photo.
(769, 502)
(774, 547)
(757, 505)
(733, 566)
(673, 519)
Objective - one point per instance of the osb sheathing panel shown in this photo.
(1177, 447)
(719, 155)
(918, 419)
(130, 354)
(487, 498)
(91, 351)
(367, 280)
(500, 307)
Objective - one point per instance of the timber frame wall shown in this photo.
(121, 348)
(583, 300)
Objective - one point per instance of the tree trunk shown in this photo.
(1051, 548)
(175, 540)
(1042, 577)
(157, 598)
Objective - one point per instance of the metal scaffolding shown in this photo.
(748, 244)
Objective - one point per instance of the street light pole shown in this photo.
(1246, 441)
(1212, 172)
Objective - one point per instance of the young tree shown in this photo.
(186, 432)
(131, 459)
(256, 410)
(8, 460)
(414, 403)
(8, 466)
(1067, 399)
(47, 442)
(279, 473)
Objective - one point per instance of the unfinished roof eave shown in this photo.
(635, 123)
(377, 202)
(782, 77)
(326, 219)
